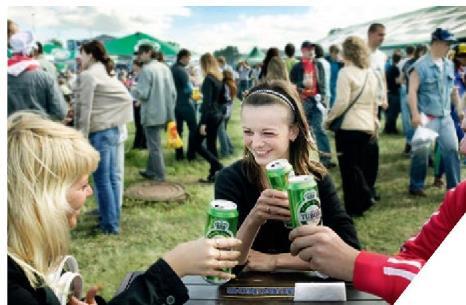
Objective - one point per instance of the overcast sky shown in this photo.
(204, 28)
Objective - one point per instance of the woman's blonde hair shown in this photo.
(44, 159)
(356, 50)
(279, 92)
(209, 65)
(276, 70)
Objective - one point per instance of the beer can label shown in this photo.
(309, 211)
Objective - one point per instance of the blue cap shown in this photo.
(443, 35)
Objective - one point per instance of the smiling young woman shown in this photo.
(275, 127)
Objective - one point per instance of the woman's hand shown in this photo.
(90, 297)
(258, 261)
(206, 257)
(271, 204)
(203, 130)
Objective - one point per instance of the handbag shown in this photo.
(335, 125)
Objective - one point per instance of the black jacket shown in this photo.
(233, 185)
(297, 77)
(211, 89)
(158, 285)
(183, 88)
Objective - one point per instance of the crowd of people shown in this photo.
(62, 129)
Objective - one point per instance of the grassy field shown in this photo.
(150, 229)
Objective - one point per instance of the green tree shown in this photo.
(56, 42)
(230, 53)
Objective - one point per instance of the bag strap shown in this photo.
(356, 98)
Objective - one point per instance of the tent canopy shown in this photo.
(124, 46)
(255, 56)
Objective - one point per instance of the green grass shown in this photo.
(151, 229)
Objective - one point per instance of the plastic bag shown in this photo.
(423, 137)
(173, 138)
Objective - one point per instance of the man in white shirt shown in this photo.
(375, 38)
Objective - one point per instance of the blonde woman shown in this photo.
(356, 140)
(48, 169)
(211, 114)
(276, 70)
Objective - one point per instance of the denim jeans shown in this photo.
(155, 164)
(315, 119)
(448, 144)
(226, 147)
(408, 129)
(106, 180)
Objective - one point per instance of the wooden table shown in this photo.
(203, 293)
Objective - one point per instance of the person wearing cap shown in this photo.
(309, 77)
(29, 87)
(156, 91)
(431, 92)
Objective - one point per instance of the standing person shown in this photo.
(103, 104)
(139, 137)
(379, 274)
(405, 115)
(375, 38)
(275, 127)
(211, 115)
(223, 65)
(290, 60)
(327, 70)
(409, 131)
(309, 77)
(48, 168)
(184, 109)
(335, 65)
(29, 87)
(393, 76)
(244, 72)
(433, 100)
(226, 147)
(356, 140)
(156, 91)
(271, 52)
(46, 65)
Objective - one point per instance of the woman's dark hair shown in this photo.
(289, 50)
(271, 52)
(230, 82)
(420, 50)
(302, 148)
(137, 63)
(97, 50)
(319, 51)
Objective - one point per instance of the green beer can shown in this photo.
(304, 201)
(222, 222)
(278, 172)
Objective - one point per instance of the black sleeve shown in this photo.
(158, 285)
(207, 98)
(334, 216)
(20, 295)
(321, 82)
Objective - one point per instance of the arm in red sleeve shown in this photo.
(387, 276)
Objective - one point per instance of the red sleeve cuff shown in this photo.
(368, 273)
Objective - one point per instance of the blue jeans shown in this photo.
(448, 144)
(106, 179)
(408, 129)
(314, 118)
(155, 164)
(226, 147)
